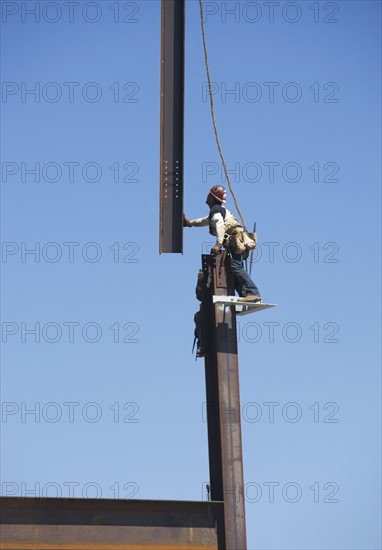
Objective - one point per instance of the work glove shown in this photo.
(186, 221)
(216, 248)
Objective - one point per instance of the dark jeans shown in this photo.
(242, 281)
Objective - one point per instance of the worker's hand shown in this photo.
(216, 248)
(186, 221)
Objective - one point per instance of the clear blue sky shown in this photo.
(119, 411)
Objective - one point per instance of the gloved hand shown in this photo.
(186, 221)
(216, 248)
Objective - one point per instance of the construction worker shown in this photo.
(221, 222)
(200, 331)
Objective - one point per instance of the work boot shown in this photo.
(252, 298)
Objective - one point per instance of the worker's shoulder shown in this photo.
(217, 209)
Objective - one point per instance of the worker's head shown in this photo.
(217, 194)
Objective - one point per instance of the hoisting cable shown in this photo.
(213, 115)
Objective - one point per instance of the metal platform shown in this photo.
(242, 307)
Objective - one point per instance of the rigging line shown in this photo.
(213, 115)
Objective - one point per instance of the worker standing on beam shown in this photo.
(232, 236)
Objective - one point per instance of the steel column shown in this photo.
(223, 404)
(172, 124)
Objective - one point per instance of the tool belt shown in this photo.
(238, 240)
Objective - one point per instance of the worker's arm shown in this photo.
(198, 222)
(217, 223)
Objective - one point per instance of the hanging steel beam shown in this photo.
(171, 125)
(223, 403)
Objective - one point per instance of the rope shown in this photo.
(213, 115)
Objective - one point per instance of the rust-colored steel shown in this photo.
(102, 524)
(223, 404)
(172, 125)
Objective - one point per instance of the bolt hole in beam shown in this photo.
(172, 126)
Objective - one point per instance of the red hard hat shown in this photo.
(219, 193)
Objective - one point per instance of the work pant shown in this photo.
(198, 318)
(242, 281)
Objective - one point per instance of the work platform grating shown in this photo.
(241, 307)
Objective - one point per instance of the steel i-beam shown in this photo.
(171, 125)
(223, 403)
(28, 523)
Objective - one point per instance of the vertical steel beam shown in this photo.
(223, 404)
(171, 125)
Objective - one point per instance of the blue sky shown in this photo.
(117, 394)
